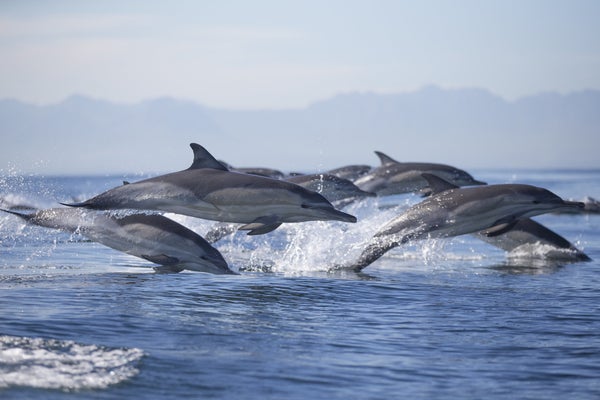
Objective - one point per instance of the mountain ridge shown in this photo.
(466, 127)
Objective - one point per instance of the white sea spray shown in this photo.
(64, 364)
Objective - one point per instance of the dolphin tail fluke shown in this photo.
(370, 254)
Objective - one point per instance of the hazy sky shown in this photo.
(278, 54)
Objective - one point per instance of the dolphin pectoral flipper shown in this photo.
(261, 225)
(264, 229)
(168, 269)
(161, 259)
(500, 229)
(84, 204)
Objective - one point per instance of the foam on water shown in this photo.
(63, 364)
(541, 252)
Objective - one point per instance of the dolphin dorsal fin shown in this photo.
(437, 184)
(385, 159)
(203, 159)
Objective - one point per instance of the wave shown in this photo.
(64, 365)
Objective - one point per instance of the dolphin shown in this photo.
(526, 233)
(332, 187)
(340, 192)
(393, 177)
(260, 171)
(207, 189)
(152, 237)
(350, 172)
(452, 211)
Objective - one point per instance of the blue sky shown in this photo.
(277, 54)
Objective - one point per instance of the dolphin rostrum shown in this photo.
(152, 237)
(394, 177)
(207, 189)
(590, 206)
(452, 211)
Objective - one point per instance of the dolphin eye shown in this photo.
(536, 202)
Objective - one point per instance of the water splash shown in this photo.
(295, 248)
(541, 252)
(64, 365)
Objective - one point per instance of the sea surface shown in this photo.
(453, 318)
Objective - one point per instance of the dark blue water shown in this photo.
(437, 319)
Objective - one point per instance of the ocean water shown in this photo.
(452, 318)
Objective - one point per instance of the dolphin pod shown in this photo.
(453, 211)
(152, 237)
(207, 189)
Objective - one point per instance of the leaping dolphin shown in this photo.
(394, 177)
(152, 237)
(339, 191)
(207, 189)
(452, 211)
(332, 187)
(260, 171)
(350, 172)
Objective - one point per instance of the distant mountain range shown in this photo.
(468, 128)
